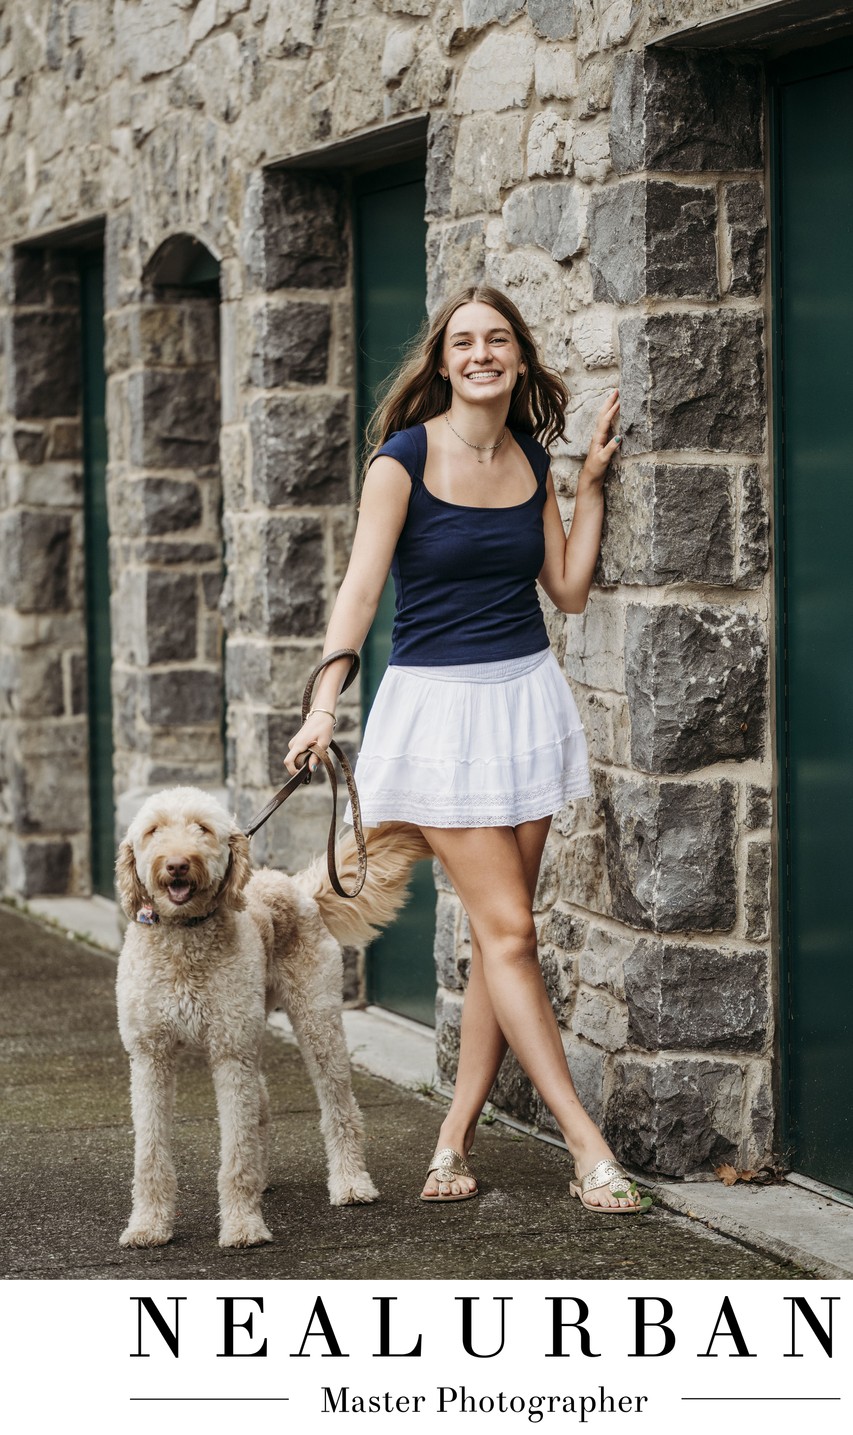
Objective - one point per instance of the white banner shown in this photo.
(460, 1356)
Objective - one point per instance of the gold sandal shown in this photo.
(609, 1173)
(447, 1165)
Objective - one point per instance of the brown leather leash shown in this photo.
(303, 777)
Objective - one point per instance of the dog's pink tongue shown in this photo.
(179, 892)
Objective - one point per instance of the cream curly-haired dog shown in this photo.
(213, 947)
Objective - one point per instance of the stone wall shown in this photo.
(617, 193)
(290, 490)
(166, 540)
(43, 732)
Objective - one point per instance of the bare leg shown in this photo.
(482, 1044)
(485, 866)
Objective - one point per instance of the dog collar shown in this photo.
(147, 917)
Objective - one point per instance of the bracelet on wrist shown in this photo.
(326, 713)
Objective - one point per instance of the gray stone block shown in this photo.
(670, 854)
(158, 335)
(548, 215)
(456, 256)
(676, 111)
(753, 555)
(617, 242)
(300, 449)
(45, 353)
(211, 588)
(696, 997)
(759, 806)
(46, 868)
(759, 862)
(290, 344)
(583, 872)
(602, 960)
(168, 505)
(676, 1116)
(301, 240)
(126, 688)
(48, 783)
(66, 440)
(353, 976)
(696, 682)
(482, 12)
(552, 19)
(595, 91)
(669, 523)
(601, 1019)
(488, 159)
(563, 929)
(182, 697)
(441, 144)
(448, 1027)
(174, 418)
(31, 683)
(452, 956)
(172, 551)
(681, 240)
(35, 560)
(627, 127)
(171, 616)
(290, 576)
(78, 683)
(497, 74)
(31, 444)
(588, 1067)
(693, 381)
(746, 227)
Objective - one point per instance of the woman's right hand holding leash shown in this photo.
(315, 732)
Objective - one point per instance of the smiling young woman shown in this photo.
(474, 735)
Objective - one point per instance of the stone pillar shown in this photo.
(634, 245)
(43, 747)
(684, 557)
(164, 499)
(289, 491)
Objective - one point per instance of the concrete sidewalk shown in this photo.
(67, 1158)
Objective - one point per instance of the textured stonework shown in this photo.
(617, 193)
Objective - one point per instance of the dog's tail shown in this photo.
(392, 851)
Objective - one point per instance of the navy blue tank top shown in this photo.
(465, 578)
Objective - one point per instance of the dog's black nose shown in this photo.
(177, 867)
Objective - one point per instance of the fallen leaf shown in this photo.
(727, 1174)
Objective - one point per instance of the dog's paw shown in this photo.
(145, 1235)
(245, 1231)
(358, 1192)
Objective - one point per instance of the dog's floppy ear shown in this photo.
(238, 874)
(131, 892)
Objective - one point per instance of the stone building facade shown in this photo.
(615, 186)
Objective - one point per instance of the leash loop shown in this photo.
(303, 776)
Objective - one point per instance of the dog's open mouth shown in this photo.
(180, 891)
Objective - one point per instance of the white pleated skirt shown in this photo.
(472, 745)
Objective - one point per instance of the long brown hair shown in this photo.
(418, 392)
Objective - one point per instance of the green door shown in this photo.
(813, 134)
(99, 651)
(390, 275)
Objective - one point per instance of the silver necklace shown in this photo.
(489, 446)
